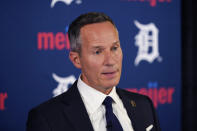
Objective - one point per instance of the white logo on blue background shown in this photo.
(67, 2)
(63, 83)
(147, 42)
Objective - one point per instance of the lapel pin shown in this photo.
(133, 103)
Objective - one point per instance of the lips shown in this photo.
(109, 74)
(105, 73)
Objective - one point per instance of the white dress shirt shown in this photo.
(93, 100)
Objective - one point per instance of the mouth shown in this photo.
(110, 74)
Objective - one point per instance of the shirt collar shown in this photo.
(93, 98)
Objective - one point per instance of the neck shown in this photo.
(104, 90)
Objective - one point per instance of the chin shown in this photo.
(112, 84)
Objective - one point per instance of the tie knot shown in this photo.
(108, 101)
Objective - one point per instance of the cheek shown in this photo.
(119, 56)
(92, 64)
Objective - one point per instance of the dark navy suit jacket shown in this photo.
(67, 112)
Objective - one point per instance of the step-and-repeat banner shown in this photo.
(34, 53)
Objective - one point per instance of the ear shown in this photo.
(75, 59)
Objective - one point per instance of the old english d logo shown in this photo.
(147, 41)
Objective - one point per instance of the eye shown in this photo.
(114, 48)
(97, 52)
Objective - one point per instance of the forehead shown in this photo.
(96, 33)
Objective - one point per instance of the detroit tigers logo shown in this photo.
(147, 42)
(67, 2)
(63, 83)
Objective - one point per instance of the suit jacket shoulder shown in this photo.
(135, 97)
(64, 112)
(140, 110)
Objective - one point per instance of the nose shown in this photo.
(110, 59)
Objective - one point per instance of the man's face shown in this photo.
(101, 56)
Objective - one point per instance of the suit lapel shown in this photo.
(75, 110)
(130, 106)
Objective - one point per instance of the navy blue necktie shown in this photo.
(112, 122)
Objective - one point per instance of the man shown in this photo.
(93, 102)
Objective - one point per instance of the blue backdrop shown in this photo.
(34, 53)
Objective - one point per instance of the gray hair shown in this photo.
(79, 22)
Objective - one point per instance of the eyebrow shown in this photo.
(114, 43)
